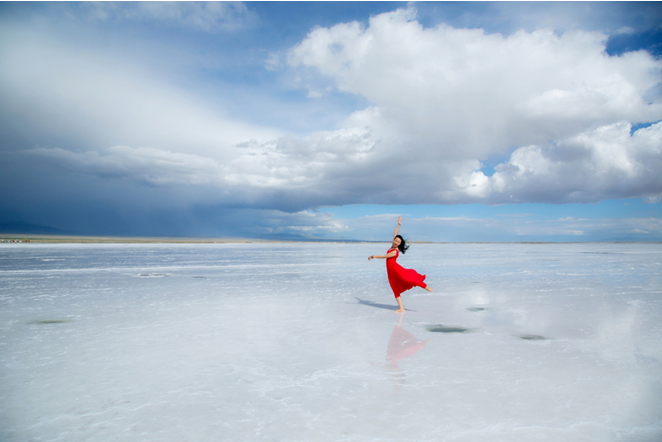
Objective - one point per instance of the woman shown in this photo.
(399, 278)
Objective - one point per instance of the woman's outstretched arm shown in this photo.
(388, 255)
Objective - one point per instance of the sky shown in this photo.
(486, 121)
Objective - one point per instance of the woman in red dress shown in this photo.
(399, 278)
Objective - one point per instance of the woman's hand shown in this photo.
(371, 257)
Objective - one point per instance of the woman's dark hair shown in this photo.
(403, 244)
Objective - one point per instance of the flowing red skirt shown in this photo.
(402, 279)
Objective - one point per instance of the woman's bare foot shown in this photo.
(400, 310)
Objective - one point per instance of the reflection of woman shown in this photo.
(402, 345)
(399, 278)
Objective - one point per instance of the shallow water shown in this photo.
(298, 342)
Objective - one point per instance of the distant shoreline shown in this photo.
(73, 239)
(79, 239)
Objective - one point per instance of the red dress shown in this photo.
(402, 279)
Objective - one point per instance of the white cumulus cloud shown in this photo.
(445, 99)
(465, 93)
(607, 162)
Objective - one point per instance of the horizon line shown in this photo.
(100, 239)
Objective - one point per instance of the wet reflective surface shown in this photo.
(299, 342)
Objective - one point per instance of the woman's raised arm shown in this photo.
(397, 228)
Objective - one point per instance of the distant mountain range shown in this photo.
(18, 227)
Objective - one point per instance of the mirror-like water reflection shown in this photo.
(299, 342)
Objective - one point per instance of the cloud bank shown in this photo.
(455, 116)
(444, 100)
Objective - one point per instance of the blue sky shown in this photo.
(483, 121)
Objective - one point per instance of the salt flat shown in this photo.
(298, 342)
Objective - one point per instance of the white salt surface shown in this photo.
(298, 342)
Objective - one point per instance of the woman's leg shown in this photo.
(402, 308)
